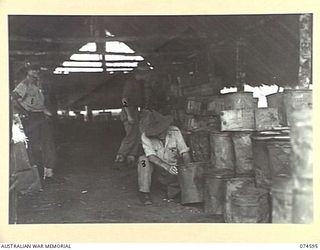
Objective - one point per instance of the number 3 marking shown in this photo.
(143, 163)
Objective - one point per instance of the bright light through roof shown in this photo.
(83, 61)
(81, 64)
(122, 64)
(86, 57)
(118, 47)
(226, 90)
(123, 58)
(89, 47)
(119, 69)
(61, 69)
(60, 72)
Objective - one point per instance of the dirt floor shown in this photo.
(91, 191)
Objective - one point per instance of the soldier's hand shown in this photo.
(173, 170)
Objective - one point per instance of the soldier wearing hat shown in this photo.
(164, 147)
(29, 102)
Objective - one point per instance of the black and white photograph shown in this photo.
(160, 119)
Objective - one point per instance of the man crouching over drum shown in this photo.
(163, 146)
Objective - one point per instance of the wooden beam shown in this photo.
(14, 38)
(305, 55)
(39, 53)
(62, 53)
(240, 74)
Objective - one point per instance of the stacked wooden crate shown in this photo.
(231, 172)
(218, 131)
(289, 101)
(189, 109)
(245, 150)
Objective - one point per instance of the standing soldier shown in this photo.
(29, 103)
(132, 99)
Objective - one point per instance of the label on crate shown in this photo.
(237, 120)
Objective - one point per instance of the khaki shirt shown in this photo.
(32, 98)
(174, 146)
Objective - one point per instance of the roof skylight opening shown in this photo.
(89, 47)
(151, 67)
(118, 47)
(86, 57)
(226, 90)
(119, 69)
(61, 69)
(123, 58)
(122, 64)
(59, 72)
(81, 64)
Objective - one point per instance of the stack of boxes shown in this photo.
(291, 179)
(226, 146)
(245, 151)
(242, 200)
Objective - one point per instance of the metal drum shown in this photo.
(200, 146)
(261, 162)
(233, 185)
(279, 158)
(191, 182)
(222, 154)
(303, 201)
(214, 192)
(301, 139)
(250, 205)
(282, 199)
(277, 101)
(296, 99)
(243, 153)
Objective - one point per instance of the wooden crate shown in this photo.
(190, 123)
(266, 119)
(239, 100)
(215, 105)
(210, 122)
(237, 120)
(193, 106)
